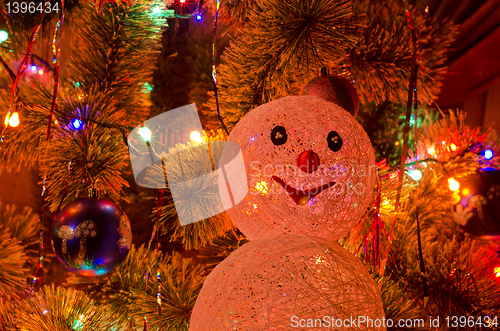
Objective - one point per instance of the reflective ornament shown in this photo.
(91, 236)
(310, 168)
(336, 89)
(273, 283)
(478, 211)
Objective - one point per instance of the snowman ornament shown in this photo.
(311, 173)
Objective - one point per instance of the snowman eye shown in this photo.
(278, 135)
(334, 141)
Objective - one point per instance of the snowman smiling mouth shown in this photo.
(308, 162)
(301, 197)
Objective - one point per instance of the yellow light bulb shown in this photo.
(195, 136)
(14, 120)
(262, 187)
(453, 147)
(453, 184)
(431, 150)
(497, 271)
(6, 121)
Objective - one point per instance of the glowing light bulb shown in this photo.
(6, 121)
(182, 1)
(453, 147)
(77, 124)
(157, 10)
(453, 184)
(14, 120)
(40, 72)
(431, 150)
(198, 17)
(488, 154)
(497, 272)
(145, 133)
(465, 191)
(195, 136)
(33, 68)
(262, 187)
(3, 36)
(415, 174)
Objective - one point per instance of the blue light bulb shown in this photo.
(198, 17)
(77, 124)
(488, 154)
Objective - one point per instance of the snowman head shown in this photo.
(310, 169)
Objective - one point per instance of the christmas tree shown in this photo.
(78, 77)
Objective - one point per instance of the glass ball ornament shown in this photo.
(478, 211)
(310, 169)
(272, 283)
(91, 236)
(336, 89)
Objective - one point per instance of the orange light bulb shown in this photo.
(453, 184)
(12, 120)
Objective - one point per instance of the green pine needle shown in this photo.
(12, 262)
(124, 291)
(61, 309)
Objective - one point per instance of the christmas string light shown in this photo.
(488, 154)
(415, 174)
(410, 100)
(22, 68)
(421, 260)
(159, 204)
(214, 71)
(3, 36)
(56, 49)
(13, 96)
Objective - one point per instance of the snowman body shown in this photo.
(311, 173)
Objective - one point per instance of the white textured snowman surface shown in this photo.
(289, 282)
(310, 168)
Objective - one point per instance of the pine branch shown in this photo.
(61, 309)
(379, 64)
(221, 248)
(117, 52)
(397, 304)
(12, 262)
(97, 154)
(7, 315)
(459, 270)
(234, 12)
(198, 196)
(281, 45)
(124, 291)
(23, 226)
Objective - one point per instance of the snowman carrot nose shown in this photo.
(308, 161)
